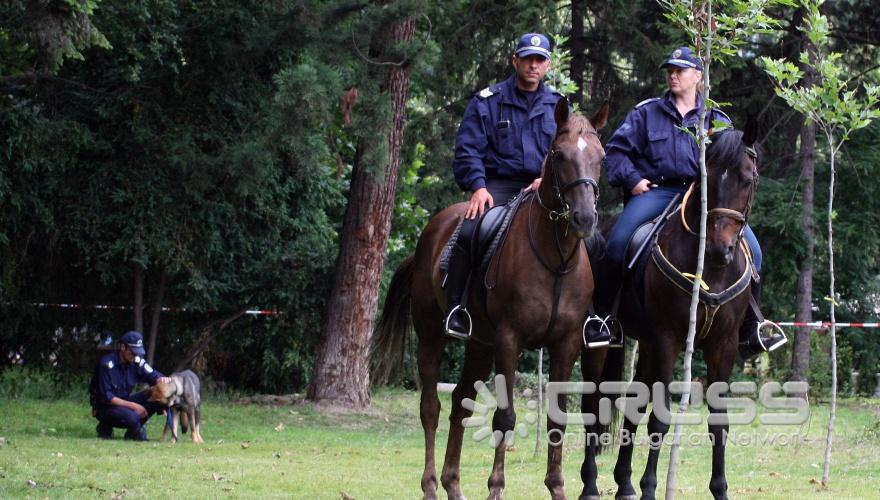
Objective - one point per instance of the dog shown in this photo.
(184, 401)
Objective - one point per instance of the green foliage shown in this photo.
(560, 63)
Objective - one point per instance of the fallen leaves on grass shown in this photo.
(245, 445)
(279, 427)
(31, 483)
(346, 496)
(216, 477)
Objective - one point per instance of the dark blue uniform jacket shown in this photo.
(650, 144)
(114, 378)
(504, 134)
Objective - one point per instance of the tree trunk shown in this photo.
(157, 312)
(578, 48)
(138, 280)
(800, 353)
(829, 438)
(342, 366)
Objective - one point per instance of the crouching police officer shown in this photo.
(501, 143)
(115, 376)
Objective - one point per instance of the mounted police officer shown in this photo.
(501, 143)
(653, 160)
(115, 376)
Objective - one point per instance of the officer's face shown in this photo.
(126, 354)
(682, 80)
(530, 70)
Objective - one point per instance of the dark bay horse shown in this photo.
(659, 317)
(541, 298)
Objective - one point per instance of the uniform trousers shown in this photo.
(110, 416)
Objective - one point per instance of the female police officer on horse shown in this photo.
(653, 160)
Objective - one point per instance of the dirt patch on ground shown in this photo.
(271, 399)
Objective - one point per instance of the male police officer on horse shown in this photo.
(115, 376)
(501, 143)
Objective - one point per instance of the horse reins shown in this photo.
(564, 266)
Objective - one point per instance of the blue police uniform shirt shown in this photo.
(650, 144)
(115, 378)
(505, 133)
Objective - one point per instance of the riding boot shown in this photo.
(597, 327)
(457, 323)
(751, 342)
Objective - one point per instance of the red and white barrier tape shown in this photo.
(827, 324)
(252, 312)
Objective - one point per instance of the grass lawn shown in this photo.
(48, 450)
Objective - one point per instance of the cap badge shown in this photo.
(676, 54)
(536, 41)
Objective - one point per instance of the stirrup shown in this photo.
(769, 324)
(454, 334)
(603, 325)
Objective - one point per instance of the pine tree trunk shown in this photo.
(341, 374)
(138, 292)
(578, 47)
(800, 353)
(157, 312)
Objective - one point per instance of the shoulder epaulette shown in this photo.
(488, 92)
(646, 101)
(110, 364)
(722, 113)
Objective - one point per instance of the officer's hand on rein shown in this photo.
(477, 205)
(534, 185)
(643, 186)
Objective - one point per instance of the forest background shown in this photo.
(212, 157)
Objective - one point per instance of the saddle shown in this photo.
(488, 235)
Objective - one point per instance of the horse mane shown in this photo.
(726, 148)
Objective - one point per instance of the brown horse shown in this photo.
(541, 298)
(659, 315)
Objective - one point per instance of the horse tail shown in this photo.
(393, 328)
(613, 371)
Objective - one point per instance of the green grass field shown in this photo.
(48, 450)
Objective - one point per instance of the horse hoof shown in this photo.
(626, 497)
(589, 497)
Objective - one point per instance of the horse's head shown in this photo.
(572, 168)
(732, 177)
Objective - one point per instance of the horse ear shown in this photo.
(750, 132)
(601, 117)
(561, 112)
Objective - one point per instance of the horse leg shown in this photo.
(562, 356)
(623, 466)
(719, 365)
(430, 352)
(477, 365)
(506, 354)
(592, 362)
(663, 355)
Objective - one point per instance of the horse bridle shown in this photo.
(559, 191)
